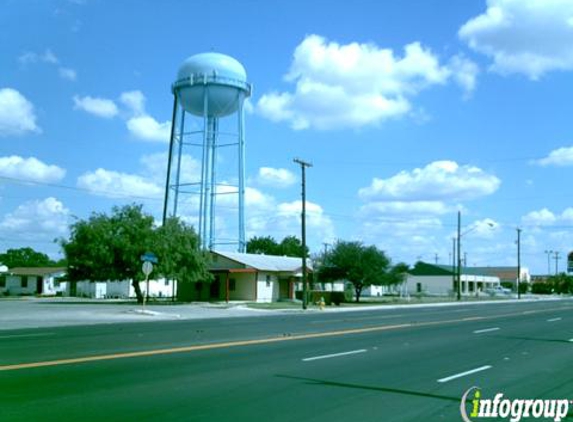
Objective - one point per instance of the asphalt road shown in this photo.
(383, 365)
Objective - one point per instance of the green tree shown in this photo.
(289, 246)
(263, 245)
(361, 265)
(109, 247)
(177, 248)
(396, 274)
(292, 246)
(25, 257)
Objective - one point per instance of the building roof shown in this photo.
(423, 268)
(266, 262)
(38, 271)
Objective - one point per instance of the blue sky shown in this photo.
(409, 112)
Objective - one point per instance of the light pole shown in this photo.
(303, 166)
(459, 258)
(459, 270)
(518, 262)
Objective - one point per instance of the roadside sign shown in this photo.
(149, 257)
(570, 262)
(147, 267)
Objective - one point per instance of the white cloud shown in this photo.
(30, 169)
(48, 57)
(140, 124)
(100, 107)
(440, 180)
(36, 219)
(67, 73)
(134, 100)
(544, 217)
(155, 168)
(464, 72)
(401, 208)
(353, 85)
(278, 178)
(31, 57)
(530, 37)
(147, 128)
(17, 115)
(114, 184)
(560, 157)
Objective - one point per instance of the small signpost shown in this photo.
(148, 259)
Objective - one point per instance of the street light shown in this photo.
(460, 234)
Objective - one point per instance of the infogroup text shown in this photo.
(473, 408)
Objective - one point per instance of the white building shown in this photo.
(440, 280)
(32, 281)
(122, 289)
(252, 277)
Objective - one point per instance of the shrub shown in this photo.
(338, 298)
(541, 288)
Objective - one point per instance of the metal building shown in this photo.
(208, 117)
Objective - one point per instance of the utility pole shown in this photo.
(549, 253)
(436, 258)
(303, 166)
(518, 262)
(453, 254)
(459, 270)
(556, 262)
(465, 259)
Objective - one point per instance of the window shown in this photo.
(24, 281)
(2, 281)
(166, 282)
(232, 284)
(268, 281)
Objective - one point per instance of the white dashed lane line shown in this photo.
(487, 330)
(334, 355)
(466, 373)
(554, 319)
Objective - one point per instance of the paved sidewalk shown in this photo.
(54, 312)
(31, 312)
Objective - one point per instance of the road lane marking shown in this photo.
(463, 374)
(28, 335)
(554, 319)
(486, 330)
(211, 346)
(334, 355)
(475, 318)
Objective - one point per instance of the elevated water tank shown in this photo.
(211, 84)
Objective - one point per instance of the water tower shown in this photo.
(208, 118)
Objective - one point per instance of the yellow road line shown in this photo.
(240, 343)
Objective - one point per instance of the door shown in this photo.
(216, 288)
(39, 285)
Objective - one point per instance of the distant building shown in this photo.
(121, 289)
(440, 280)
(507, 275)
(32, 281)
